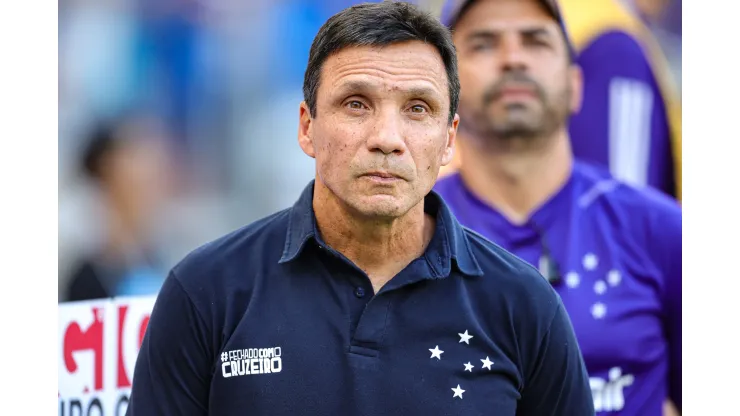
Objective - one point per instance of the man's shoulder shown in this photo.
(511, 279)
(654, 217)
(647, 199)
(235, 253)
(635, 202)
(657, 213)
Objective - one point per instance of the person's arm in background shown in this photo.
(670, 228)
(666, 234)
(624, 119)
(173, 368)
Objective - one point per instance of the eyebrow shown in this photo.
(482, 34)
(536, 32)
(426, 93)
(362, 87)
(354, 87)
(487, 34)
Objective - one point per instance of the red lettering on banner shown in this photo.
(123, 380)
(142, 330)
(123, 377)
(75, 339)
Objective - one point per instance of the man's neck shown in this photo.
(518, 177)
(381, 248)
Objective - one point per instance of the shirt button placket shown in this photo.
(360, 292)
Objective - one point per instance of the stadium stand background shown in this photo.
(213, 89)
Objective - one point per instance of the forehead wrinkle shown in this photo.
(389, 74)
(376, 81)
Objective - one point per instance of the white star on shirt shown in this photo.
(614, 277)
(572, 280)
(590, 261)
(598, 310)
(465, 337)
(436, 352)
(458, 392)
(600, 287)
(468, 367)
(487, 363)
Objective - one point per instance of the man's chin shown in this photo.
(381, 206)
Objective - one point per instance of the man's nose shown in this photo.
(387, 136)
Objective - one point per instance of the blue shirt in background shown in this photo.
(617, 251)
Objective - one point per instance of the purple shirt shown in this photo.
(618, 251)
(623, 123)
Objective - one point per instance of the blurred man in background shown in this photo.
(630, 117)
(129, 161)
(612, 251)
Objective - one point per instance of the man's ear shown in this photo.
(305, 138)
(575, 76)
(449, 150)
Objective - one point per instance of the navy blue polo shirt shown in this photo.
(269, 320)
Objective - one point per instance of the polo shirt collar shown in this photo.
(449, 245)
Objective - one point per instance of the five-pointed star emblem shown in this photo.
(614, 277)
(600, 287)
(464, 337)
(598, 310)
(590, 261)
(458, 392)
(436, 352)
(487, 363)
(572, 280)
(468, 367)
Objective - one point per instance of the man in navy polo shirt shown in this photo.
(366, 297)
(612, 251)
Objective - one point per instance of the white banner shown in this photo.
(98, 345)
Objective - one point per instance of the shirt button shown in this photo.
(360, 292)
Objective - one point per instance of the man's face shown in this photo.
(515, 73)
(139, 172)
(381, 131)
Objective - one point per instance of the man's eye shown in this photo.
(481, 47)
(418, 109)
(536, 42)
(355, 105)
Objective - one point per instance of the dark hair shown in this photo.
(102, 141)
(107, 133)
(379, 24)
